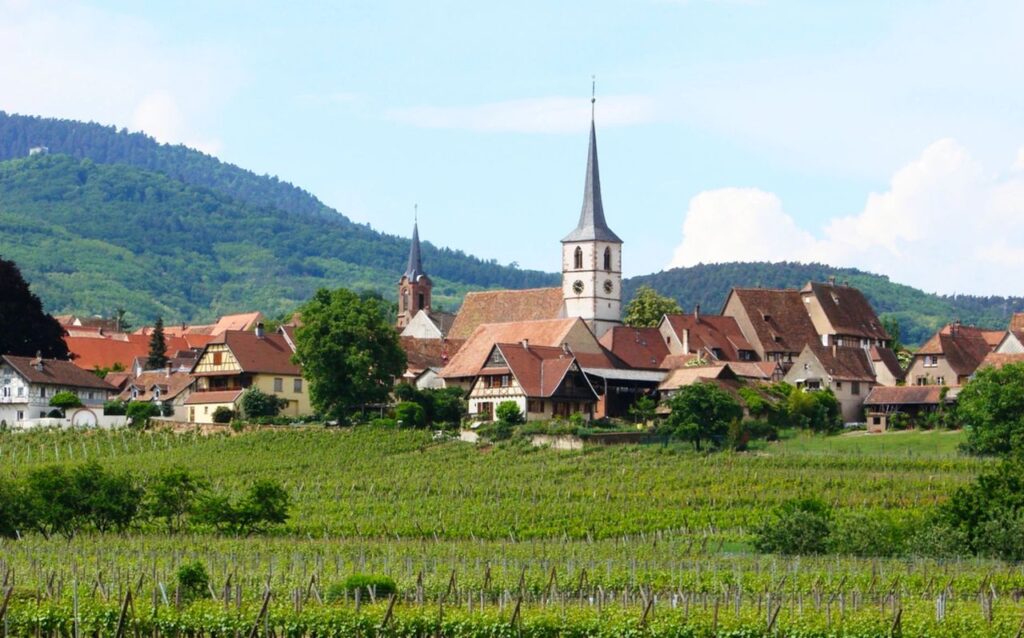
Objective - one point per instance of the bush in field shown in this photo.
(799, 526)
(59, 501)
(265, 504)
(172, 495)
(383, 587)
(989, 512)
(870, 534)
(223, 414)
(193, 581)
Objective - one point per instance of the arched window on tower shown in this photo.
(607, 258)
(578, 259)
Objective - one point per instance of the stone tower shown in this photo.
(592, 258)
(414, 287)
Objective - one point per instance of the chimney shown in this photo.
(259, 330)
(526, 343)
(696, 313)
(835, 349)
(831, 280)
(168, 369)
(686, 341)
(37, 363)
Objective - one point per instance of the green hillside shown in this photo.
(92, 237)
(918, 313)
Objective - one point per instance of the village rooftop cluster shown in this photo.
(555, 352)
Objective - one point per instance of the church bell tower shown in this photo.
(414, 287)
(592, 257)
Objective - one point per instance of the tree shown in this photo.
(701, 412)
(123, 325)
(348, 351)
(508, 412)
(799, 526)
(223, 414)
(157, 347)
(172, 494)
(643, 409)
(106, 500)
(265, 504)
(27, 330)
(991, 406)
(647, 307)
(64, 400)
(892, 326)
(410, 415)
(256, 403)
(12, 509)
(52, 502)
(140, 412)
(989, 512)
(193, 581)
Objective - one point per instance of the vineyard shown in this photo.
(506, 541)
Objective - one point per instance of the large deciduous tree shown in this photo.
(701, 412)
(991, 406)
(24, 328)
(647, 308)
(348, 350)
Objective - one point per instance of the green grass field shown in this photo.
(510, 520)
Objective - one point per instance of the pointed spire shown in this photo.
(414, 269)
(592, 225)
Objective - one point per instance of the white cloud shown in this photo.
(77, 62)
(531, 115)
(945, 224)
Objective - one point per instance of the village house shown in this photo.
(845, 370)
(239, 360)
(705, 337)
(28, 384)
(544, 382)
(774, 322)
(952, 355)
(914, 401)
(841, 315)
(164, 388)
(638, 348)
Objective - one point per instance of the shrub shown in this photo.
(899, 421)
(509, 412)
(193, 581)
(496, 431)
(223, 414)
(265, 504)
(115, 407)
(64, 400)
(256, 403)
(799, 526)
(410, 415)
(140, 412)
(384, 423)
(870, 534)
(701, 412)
(383, 587)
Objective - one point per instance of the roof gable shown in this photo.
(778, 317)
(636, 347)
(848, 310)
(710, 333)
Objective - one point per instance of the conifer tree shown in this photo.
(157, 347)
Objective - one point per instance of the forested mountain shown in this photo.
(918, 313)
(92, 237)
(361, 246)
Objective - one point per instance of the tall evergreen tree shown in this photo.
(157, 347)
(24, 328)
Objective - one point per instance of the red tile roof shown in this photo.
(905, 395)
(846, 363)
(429, 353)
(269, 354)
(847, 310)
(538, 369)
(779, 318)
(708, 333)
(219, 396)
(964, 347)
(170, 385)
(90, 353)
(887, 358)
(55, 372)
(636, 347)
(681, 377)
(503, 306)
(998, 359)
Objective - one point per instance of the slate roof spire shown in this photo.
(414, 269)
(592, 225)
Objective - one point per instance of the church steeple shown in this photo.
(592, 225)
(592, 256)
(414, 269)
(414, 287)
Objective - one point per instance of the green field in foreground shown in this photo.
(481, 528)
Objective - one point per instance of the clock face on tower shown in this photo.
(608, 286)
(577, 287)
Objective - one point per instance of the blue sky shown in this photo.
(882, 135)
